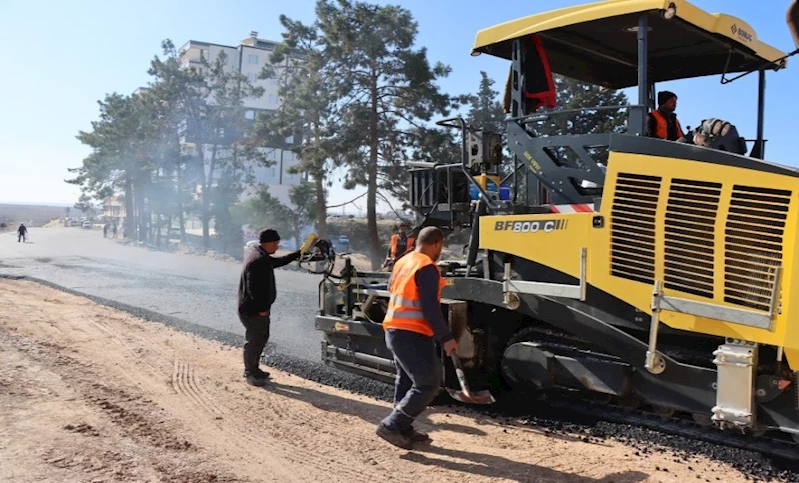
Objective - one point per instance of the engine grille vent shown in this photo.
(753, 244)
(632, 227)
(688, 264)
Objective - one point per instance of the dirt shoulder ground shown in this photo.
(91, 394)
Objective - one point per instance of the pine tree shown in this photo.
(485, 107)
(387, 89)
(307, 110)
(118, 157)
(303, 197)
(264, 210)
(221, 131)
(574, 94)
(175, 95)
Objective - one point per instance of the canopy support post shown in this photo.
(637, 122)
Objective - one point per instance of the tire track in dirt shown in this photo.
(280, 420)
(128, 411)
(185, 384)
(274, 429)
(284, 423)
(240, 441)
(292, 422)
(144, 422)
(246, 434)
(106, 330)
(134, 416)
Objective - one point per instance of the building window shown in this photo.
(252, 77)
(249, 115)
(290, 140)
(252, 59)
(272, 99)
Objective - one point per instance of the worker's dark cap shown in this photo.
(664, 96)
(268, 235)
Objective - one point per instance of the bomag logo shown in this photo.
(532, 226)
(741, 33)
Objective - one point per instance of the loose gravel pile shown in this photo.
(542, 415)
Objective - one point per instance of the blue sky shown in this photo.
(62, 57)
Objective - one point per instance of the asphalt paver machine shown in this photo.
(622, 269)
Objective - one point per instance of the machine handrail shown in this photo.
(529, 118)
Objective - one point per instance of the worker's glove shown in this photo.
(310, 240)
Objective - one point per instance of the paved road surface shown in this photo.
(198, 290)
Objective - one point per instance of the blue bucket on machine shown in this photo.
(504, 192)
(491, 187)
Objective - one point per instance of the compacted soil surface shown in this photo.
(88, 393)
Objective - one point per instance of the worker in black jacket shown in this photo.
(22, 233)
(257, 293)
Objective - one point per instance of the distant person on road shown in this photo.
(114, 230)
(412, 324)
(22, 233)
(105, 230)
(257, 293)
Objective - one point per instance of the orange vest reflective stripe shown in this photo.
(395, 241)
(662, 126)
(404, 309)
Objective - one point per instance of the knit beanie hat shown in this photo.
(664, 96)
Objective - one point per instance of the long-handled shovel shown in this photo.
(465, 395)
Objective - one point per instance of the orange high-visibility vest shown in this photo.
(404, 308)
(662, 126)
(395, 241)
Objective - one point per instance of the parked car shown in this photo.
(87, 224)
(343, 243)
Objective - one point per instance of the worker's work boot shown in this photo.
(417, 436)
(253, 380)
(397, 438)
(257, 373)
(256, 378)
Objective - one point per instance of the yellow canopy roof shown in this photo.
(597, 42)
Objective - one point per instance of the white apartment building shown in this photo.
(249, 58)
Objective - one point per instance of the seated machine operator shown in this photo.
(662, 122)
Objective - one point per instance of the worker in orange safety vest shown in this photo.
(400, 242)
(413, 323)
(662, 122)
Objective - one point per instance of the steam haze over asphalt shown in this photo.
(194, 289)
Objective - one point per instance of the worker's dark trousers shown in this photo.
(256, 335)
(418, 376)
